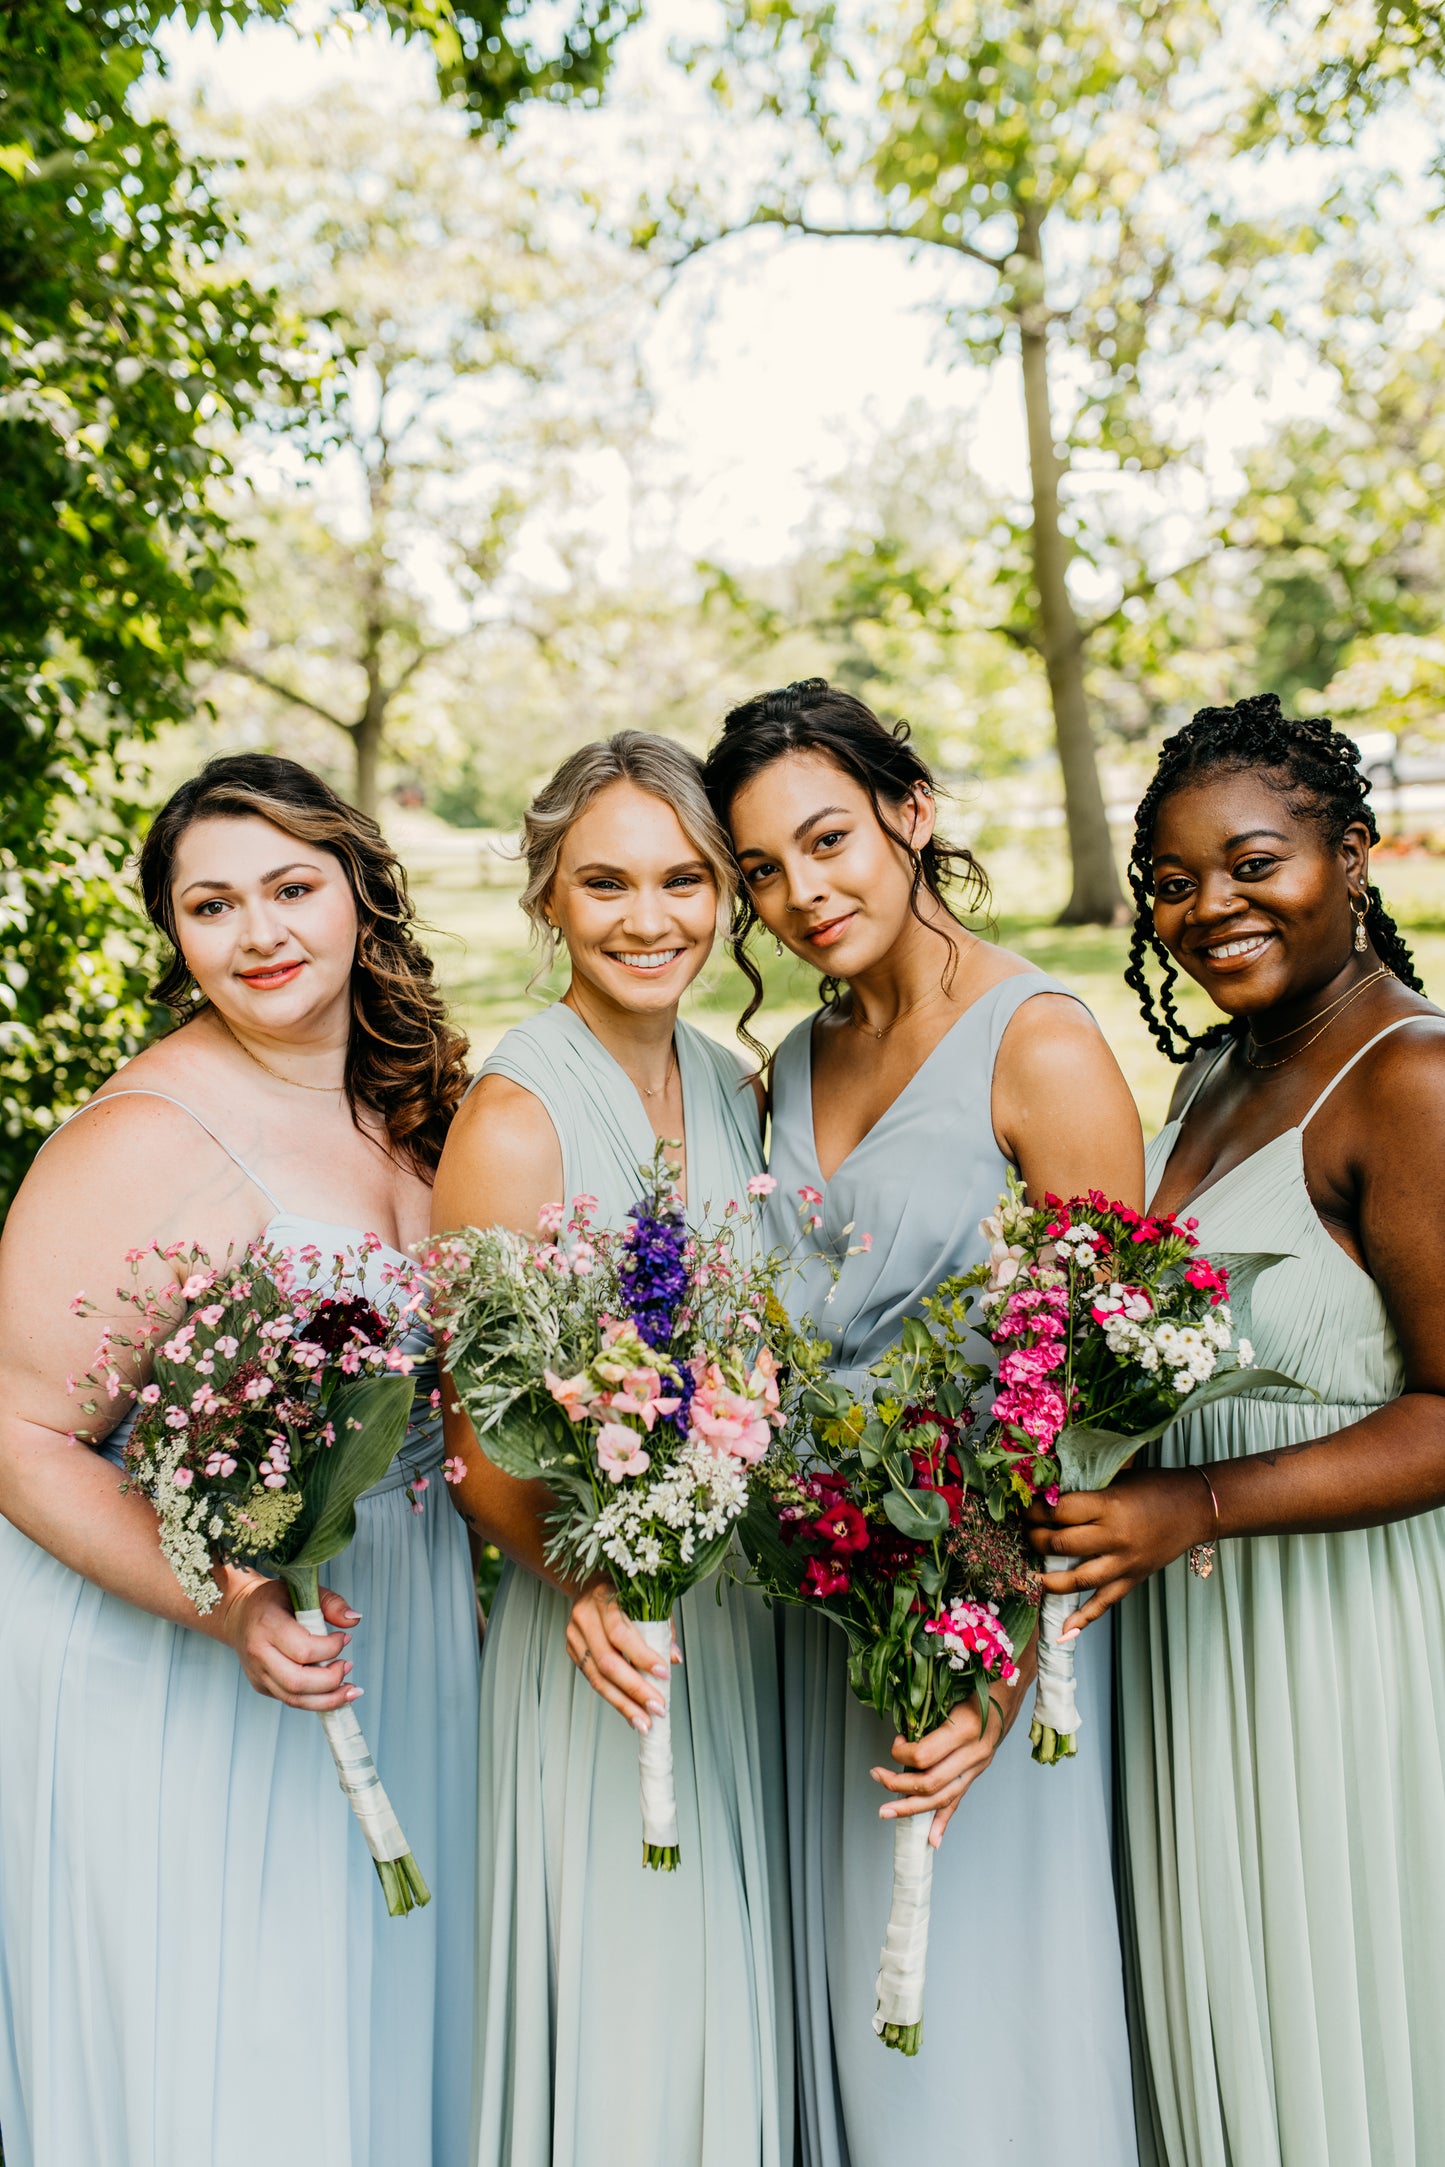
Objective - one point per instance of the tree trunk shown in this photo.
(366, 735)
(1097, 898)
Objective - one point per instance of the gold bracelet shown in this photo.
(1201, 1555)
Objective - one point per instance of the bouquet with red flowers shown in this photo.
(894, 1523)
(273, 1401)
(1110, 1326)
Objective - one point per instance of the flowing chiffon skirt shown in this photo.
(198, 1967)
(632, 2018)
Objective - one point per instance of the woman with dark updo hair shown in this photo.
(1282, 1694)
(196, 1964)
(936, 1064)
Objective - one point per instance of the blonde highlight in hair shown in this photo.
(660, 766)
(404, 1060)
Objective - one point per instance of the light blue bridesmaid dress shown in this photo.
(197, 1968)
(632, 2018)
(1025, 2050)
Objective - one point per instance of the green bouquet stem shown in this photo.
(401, 1879)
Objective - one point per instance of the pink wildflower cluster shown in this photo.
(973, 1634)
(1032, 1328)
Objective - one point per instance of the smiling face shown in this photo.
(1251, 899)
(823, 875)
(634, 901)
(267, 925)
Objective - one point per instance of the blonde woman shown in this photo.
(629, 2019)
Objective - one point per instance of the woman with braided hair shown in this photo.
(1282, 1706)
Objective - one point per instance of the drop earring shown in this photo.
(1362, 938)
(777, 944)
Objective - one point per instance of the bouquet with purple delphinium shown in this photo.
(640, 1373)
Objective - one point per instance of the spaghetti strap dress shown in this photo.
(197, 1968)
(631, 2018)
(1009, 2069)
(1282, 1731)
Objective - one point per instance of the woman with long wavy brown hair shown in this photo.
(195, 1960)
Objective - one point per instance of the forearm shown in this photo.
(68, 1500)
(497, 1507)
(1389, 1466)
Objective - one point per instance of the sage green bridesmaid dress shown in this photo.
(631, 2018)
(1282, 1742)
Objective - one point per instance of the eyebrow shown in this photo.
(827, 812)
(227, 886)
(599, 865)
(1231, 842)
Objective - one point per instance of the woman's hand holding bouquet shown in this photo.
(640, 1374)
(1110, 1326)
(890, 1521)
(272, 1403)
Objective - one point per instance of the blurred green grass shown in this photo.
(478, 936)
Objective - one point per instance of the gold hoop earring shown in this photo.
(1362, 938)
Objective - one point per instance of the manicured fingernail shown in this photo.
(658, 1707)
(641, 1723)
(348, 1666)
(355, 1692)
(677, 1655)
(1072, 1634)
(353, 1617)
(887, 1813)
(346, 1640)
(659, 1670)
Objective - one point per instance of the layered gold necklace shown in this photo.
(1321, 1021)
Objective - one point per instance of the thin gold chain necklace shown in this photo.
(294, 1081)
(1336, 1011)
(881, 1030)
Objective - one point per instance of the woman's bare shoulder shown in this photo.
(502, 1159)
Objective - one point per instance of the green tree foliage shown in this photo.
(1071, 159)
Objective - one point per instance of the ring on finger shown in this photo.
(585, 1659)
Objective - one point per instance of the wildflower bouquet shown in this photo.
(275, 1401)
(893, 1523)
(638, 1372)
(1110, 1326)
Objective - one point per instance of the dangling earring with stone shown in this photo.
(777, 944)
(1360, 914)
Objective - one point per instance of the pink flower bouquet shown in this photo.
(271, 1404)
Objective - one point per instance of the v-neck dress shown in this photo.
(197, 1968)
(1282, 1754)
(1012, 2068)
(631, 2018)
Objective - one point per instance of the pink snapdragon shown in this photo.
(621, 1452)
(572, 1394)
(728, 1421)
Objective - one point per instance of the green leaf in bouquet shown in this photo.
(1089, 1459)
(359, 1458)
(825, 1401)
(873, 1442)
(919, 1514)
(529, 1438)
(916, 1339)
(930, 1578)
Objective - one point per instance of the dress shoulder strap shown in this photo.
(135, 1092)
(1341, 1073)
(1202, 1079)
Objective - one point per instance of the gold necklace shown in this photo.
(294, 1081)
(1337, 1009)
(658, 1089)
(1320, 1017)
(881, 1030)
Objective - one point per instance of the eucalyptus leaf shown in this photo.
(919, 1514)
(358, 1459)
(1089, 1459)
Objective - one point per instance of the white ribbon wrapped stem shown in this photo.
(1055, 1706)
(659, 1799)
(905, 1945)
(356, 1770)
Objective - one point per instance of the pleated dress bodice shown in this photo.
(919, 1183)
(631, 2018)
(1282, 1754)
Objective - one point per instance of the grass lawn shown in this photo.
(478, 938)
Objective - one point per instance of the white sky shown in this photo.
(772, 363)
